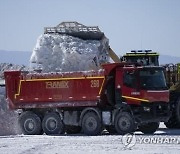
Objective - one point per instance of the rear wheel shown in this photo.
(30, 123)
(73, 129)
(52, 124)
(172, 123)
(124, 123)
(149, 128)
(91, 124)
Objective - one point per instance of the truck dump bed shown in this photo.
(27, 90)
(67, 89)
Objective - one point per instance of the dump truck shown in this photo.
(172, 75)
(120, 97)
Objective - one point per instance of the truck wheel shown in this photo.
(91, 124)
(178, 111)
(174, 120)
(172, 123)
(73, 129)
(149, 128)
(111, 129)
(124, 123)
(30, 123)
(52, 124)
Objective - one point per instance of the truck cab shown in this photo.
(144, 90)
(172, 75)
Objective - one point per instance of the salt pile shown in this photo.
(61, 52)
(9, 66)
(8, 118)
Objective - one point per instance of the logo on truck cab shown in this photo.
(57, 84)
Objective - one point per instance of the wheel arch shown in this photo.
(123, 108)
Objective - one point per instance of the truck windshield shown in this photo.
(143, 60)
(152, 79)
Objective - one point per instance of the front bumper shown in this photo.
(152, 112)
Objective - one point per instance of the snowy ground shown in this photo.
(77, 144)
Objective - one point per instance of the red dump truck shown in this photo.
(120, 97)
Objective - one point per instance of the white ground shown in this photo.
(77, 144)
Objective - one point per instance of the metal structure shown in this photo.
(113, 56)
(77, 30)
(172, 74)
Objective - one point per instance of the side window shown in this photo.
(129, 79)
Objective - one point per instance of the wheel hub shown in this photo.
(124, 123)
(51, 124)
(91, 123)
(29, 125)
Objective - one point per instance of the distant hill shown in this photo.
(22, 58)
(15, 57)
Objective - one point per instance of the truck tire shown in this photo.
(52, 124)
(124, 123)
(149, 128)
(111, 129)
(174, 120)
(73, 129)
(172, 123)
(91, 124)
(30, 123)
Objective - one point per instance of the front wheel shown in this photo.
(124, 123)
(149, 128)
(52, 124)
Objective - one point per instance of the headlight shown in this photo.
(147, 109)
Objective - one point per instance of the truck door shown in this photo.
(130, 92)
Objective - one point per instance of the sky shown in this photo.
(129, 24)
